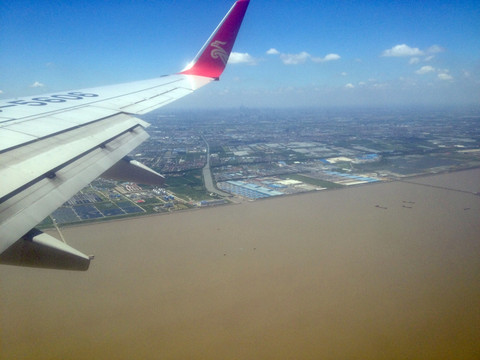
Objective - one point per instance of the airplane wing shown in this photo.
(51, 146)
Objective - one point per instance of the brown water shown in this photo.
(316, 276)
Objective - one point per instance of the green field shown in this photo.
(188, 186)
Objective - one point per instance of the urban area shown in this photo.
(218, 157)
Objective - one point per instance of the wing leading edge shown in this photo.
(52, 146)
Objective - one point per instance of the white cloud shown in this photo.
(349, 86)
(416, 55)
(425, 69)
(402, 50)
(434, 49)
(442, 74)
(343, 73)
(273, 51)
(37, 84)
(302, 57)
(445, 76)
(331, 57)
(328, 57)
(1, 92)
(414, 60)
(295, 59)
(241, 58)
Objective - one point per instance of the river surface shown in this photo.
(383, 271)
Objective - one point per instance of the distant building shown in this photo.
(335, 160)
(247, 190)
(366, 158)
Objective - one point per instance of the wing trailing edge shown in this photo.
(40, 250)
(128, 169)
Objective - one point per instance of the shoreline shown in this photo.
(285, 196)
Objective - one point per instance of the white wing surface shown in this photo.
(51, 146)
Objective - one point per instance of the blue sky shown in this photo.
(288, 53)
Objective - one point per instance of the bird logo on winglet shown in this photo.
(219, 52)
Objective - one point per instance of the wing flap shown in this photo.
(10, 139)
(25, 164)
(37, 249)
(128, 169)
(14, 133)
(27, 208)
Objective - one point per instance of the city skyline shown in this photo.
(287, 54)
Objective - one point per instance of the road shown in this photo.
(207, 174)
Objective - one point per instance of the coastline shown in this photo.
(309, 193)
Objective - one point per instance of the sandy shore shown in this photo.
(326, 275)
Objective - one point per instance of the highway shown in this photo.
(207, 174)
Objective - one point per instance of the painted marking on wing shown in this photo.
(45, 100)
(219, 52)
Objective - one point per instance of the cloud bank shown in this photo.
(425, 70)
(403, 50)
(302, 57)
(273, 51)
(241, 58)
(442, 74)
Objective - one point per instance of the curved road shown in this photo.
(207, 174)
